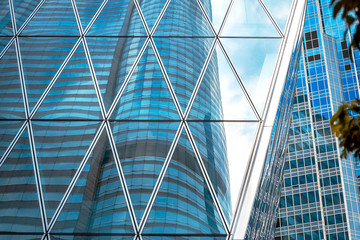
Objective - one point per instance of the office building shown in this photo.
(320, 194)
(115, 117)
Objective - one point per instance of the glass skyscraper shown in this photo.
(115, 125)
(320, 194)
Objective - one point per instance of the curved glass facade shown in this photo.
(118, 117)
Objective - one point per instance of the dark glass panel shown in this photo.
(42, 58)
(73, 95)
(54, 18)
(8, 130)
(19, 204)
(142, 149)
(112, 59)
(176, 20)
(96, 204)
(146, 96)
(5, 19)
(184, 204)
(60, 147)
(23, 9)
(3, 42)
(118, 18)
(183, 59)
(11, 101)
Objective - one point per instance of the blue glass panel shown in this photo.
(73, 95)
(118, 18)
(280, 10)
(19, 205)
(11, 103)
(19, 236)
(180, 237)
(112, 59)
(89, 237)
(3, 42)
(54, 18)
(97, 203)
(60, 147)
(184, 204)
(42, 58)
(183, 59)
(8, 130)
(176, 20)
(146, 96)
(151, 10)
(87, 10)
(142, 148)
(5, 19)
(23, 9)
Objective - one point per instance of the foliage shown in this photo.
(347, 128)
(351, 14)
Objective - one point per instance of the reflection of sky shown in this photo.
(254, 61)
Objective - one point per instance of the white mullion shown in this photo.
(37, 177)
(239, 80)
(206, 16)
(13, 143)
(167, 80)
(225, 17)
(200, 79)
(96, 15)
(94, 78)
(161, 177)
(52, 82)
(157, 22)
(271, 18)
(207, 178)
(142, 17)
(31, 16)
(76, 176)
(122, 178)
(2, 53)
(127, 79)
(12, 15)
(77, 17)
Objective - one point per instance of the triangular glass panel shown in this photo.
(73, 96)
(5, 19)
(97, 203)
(146, 96)
(8, 130)
(118, 18)
(54, 18)
(87, 10)
(60, 147)
(11, 100)
(176, 20)
(23, 9)
(280, 10)
(3, 42)
(182, 237)
(42, 58)
(247, 18)
(254, 61)
(151, 10)
(142, 149)
(112, 59)
(219, 9)
(220, 96)
(183, 59)
(225, 148)
(19, 204)
(184, 204)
